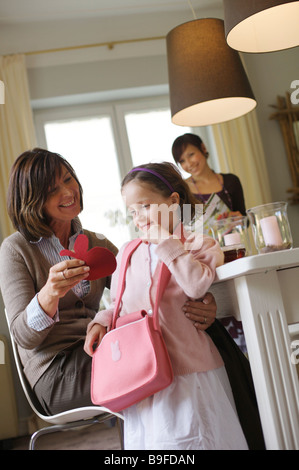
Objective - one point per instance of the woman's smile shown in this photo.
(68, 204)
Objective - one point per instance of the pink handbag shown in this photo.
(132, 361)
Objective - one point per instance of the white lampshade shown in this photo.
(2, 97)
(261, 26)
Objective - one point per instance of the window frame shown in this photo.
(116, 110)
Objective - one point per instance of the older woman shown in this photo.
(48, 299)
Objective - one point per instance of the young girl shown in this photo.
(197, 410)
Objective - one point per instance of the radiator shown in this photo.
(8, 409)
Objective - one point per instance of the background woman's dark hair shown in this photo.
(32, 175)
(171, 173)
(181, 142)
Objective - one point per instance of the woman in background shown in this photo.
(190, 153)
(223, 193)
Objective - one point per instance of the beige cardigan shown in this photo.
(23, 272)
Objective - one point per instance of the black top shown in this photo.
(231, 193)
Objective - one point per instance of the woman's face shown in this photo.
(63, 200)
(193, 160)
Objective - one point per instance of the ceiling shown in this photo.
(14, 12)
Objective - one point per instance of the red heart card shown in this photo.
(101, 261)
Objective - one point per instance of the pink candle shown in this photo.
(232, 239)
(271, 231)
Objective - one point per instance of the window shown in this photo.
(150, 136)
(102, 143)
(88, 144)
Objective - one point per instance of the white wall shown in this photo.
(271, 75)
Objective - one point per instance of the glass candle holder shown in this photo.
(232, 236)
(270, 227)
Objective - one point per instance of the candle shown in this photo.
(232, 239)
(271, 231)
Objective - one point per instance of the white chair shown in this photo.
(74, 418)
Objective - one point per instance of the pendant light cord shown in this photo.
(192, 9)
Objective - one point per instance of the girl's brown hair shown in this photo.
(171, 174)
(33, 175)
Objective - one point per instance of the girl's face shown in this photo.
(63, 200)
(193, 160)
(150, 208)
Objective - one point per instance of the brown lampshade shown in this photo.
(207, 81)
(261, 26)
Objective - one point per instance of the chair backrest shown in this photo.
(72, 415)
(30, 395)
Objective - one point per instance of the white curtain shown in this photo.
(17, 132)
(240, 151)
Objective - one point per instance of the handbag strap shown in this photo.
(164, 276)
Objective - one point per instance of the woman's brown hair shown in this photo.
(32, 176)
(181, 142)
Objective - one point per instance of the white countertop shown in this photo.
(258, 263)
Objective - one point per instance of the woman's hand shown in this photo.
(93, 338)
(63, 276)
(201, 312)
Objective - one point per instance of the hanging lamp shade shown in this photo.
(261, 25)
(2, 96)
(207, 81)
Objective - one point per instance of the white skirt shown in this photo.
(196, 412)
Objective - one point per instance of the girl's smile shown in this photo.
(148, 207)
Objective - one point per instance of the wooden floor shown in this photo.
(95, 437)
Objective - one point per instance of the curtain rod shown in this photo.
(109, 44)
